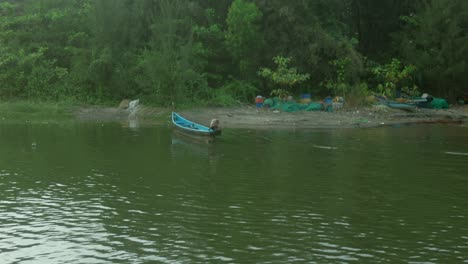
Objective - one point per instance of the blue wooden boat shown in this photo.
(188, 126)
(410, 105)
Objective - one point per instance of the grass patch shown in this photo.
(35, 111)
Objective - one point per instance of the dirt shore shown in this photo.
(249, 117)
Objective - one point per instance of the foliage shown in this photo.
(341, 65)
(395, 76)
(356, 95)
(280, 93)
(339, 84)
(284, 76)
(221, 98)
(30, 75)
(313, 33)
(374, 22)
(180, 52)
(435, 40)
(242, 36)
(240, 90)
(207, 36)
(167, 70)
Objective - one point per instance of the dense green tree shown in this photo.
(185, 51)
(314, 33)
(243, 38)
(373, 23)
(37, 40)
(283, 77)
(435, 39)
(169, 68)
(208, 35)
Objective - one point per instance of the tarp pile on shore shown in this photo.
(290, 106)
(437, 103)
(406, 104)
(426, 101)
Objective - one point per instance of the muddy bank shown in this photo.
(249, 117)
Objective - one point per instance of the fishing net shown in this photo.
(275, 103)
(438, 103)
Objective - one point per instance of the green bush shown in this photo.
(240, 90)
(395, 76)
(356, 95)
(221, 98)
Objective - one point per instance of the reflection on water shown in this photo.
(192, 145)
(105, 194)
(133, 122)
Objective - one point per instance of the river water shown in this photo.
(103, 193)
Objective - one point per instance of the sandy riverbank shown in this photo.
(249, 117)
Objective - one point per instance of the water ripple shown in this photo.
(121, 199)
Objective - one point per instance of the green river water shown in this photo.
(103, 193)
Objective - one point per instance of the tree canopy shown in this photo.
(205, 51)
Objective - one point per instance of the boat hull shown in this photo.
(402, 106)
(189, 127)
